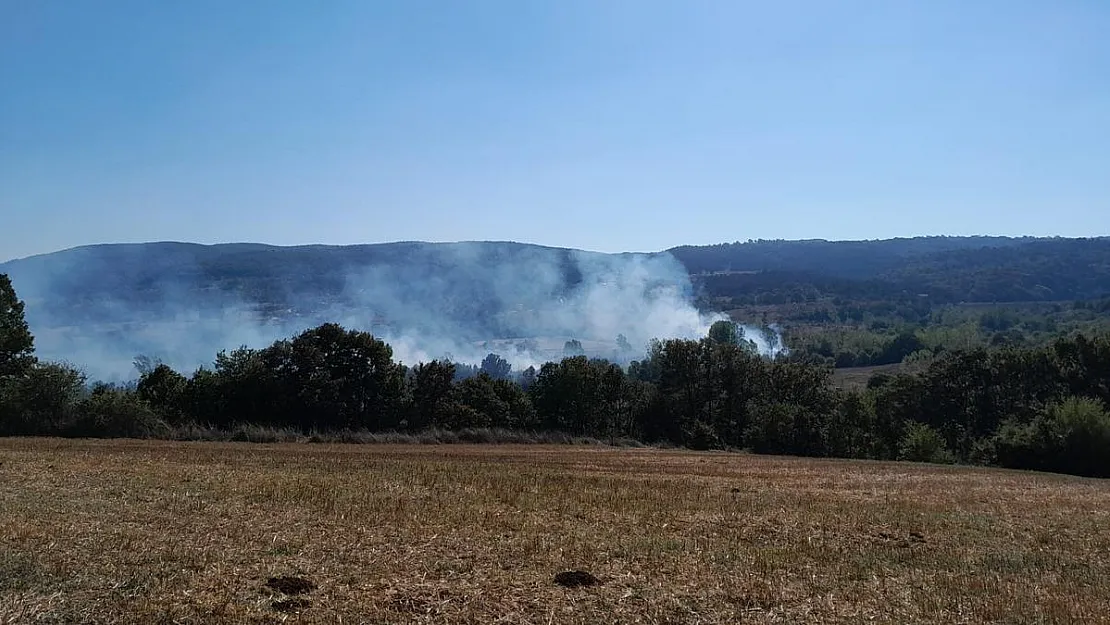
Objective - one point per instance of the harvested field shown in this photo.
(160, 532)
(856, 378)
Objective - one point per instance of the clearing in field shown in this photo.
(157, 532)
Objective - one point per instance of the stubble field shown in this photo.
(161, 532)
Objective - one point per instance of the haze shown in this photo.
(598, 125)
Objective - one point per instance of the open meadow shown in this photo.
(163, 532)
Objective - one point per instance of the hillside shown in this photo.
(948, 269)
(840, 259)
(101, 305)
(944, 269)
(291, 279)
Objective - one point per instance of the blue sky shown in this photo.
(602, 124)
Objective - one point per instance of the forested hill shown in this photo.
(144, 276)
(946, 269)
(842, 259)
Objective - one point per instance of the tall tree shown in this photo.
(573, 348)
(496, 367)
(432, 390)
(724, 332)
(341, 378)
(164, 390)
(17, 345)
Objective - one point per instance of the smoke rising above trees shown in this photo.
(1041, 408)
(99, 307)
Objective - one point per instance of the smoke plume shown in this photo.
(98, 308)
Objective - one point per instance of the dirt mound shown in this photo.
(290, 585)
(574, 579)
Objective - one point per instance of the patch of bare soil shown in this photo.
(290, 585)
(575, 579)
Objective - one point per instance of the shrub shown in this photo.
(1071, 436)
(921, 443)
(110, 412)
(249, 433)
(1085, 427)
(42, 401)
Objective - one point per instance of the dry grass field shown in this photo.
(160, 532)
(856, 378)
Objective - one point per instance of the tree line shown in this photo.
(1036, 408)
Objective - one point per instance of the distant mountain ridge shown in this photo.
(102, 305)
(296, 277)
(143, 275)
(845, 259)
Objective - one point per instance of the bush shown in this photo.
(41, 402)
(921, 443)
(110, 412)
(459, 416)
(1072, 436)
(701, 435)
(1085, 428)
(784, 428)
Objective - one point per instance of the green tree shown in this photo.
(17, 345)
(500, 403)
(145, 364)
(432, 392)
(527, 377)
(338, 378)
(495, 367)
(851, 431)
(902, 345)
(583, 396)
(1071, 436)
(163, 389)
(680, 372)
(922, 443)
(724, 332)
(111, 412)
(243, 389)
(203, 400)
(573, 348)
(43, 401)
(777, 428)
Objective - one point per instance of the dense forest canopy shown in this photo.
(945, 269)
(844, 259)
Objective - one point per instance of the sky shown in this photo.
(610, 125)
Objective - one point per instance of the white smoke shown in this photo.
(465, 303)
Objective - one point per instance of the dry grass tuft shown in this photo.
(112, 532)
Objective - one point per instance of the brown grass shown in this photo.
(164, 532)
(856, 378)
